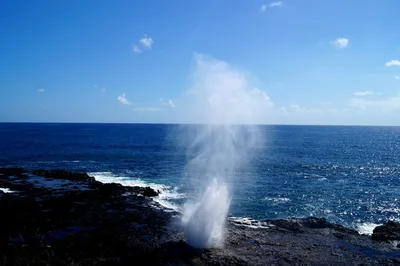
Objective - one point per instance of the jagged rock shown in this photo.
(289, 224)
(313, 222)
(389, 231)
(149, 192)
(11, 171)
(112, 189)
(63, 174)
(100, 226)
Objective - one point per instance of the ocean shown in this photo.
(348, 174)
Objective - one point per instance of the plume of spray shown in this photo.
(227, 109)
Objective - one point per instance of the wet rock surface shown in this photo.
(390, 231)
(64, 218)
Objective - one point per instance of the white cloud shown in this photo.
(146, 109)
(388, 103)
(169, 103)
(393, 63)
(276, 4)
(292, 113)
(263, 96)
(336, 111)
(122, 99)
(147, 42)
(397, 77)
(365, 93)
(136, 49)
(341, 42)
(41, 90)
(264, 7)
(294, 108)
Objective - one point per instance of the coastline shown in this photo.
(64, 218)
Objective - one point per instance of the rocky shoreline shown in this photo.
(64, 218)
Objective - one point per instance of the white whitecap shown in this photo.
(366, 228)
(249, 222)
(166, 194)
(277, 199)
(6, 190)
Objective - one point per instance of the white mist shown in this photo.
(227, 108)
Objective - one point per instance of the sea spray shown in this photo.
(204, 220)
(227, 109)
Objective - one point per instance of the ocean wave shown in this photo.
(6, 190)
(313, 176)
(390, 210)
(366, 228)
(249, 222)
(276, 199)
(167, 193)
(63, 161)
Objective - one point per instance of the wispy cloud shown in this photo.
(136, 49)
(41, 90)
(122, 99)
(103, 90)
(341, 43)
(393, 63)
(146, 41)
(264, 7)
(297, 109)
(146, 109)
(168, 103)
(388, 103)
(397, 77)
(171, 103)
(276, 4)
(366, 93)
(263, 96)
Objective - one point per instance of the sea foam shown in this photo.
(165, 198)
(366, 228)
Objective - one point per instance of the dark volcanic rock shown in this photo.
(11, 171)
(149, 192)
(41, 225)
(389, 231)
(300, 225)
(306, 241)
(112, 189)
(63, 174)
(109, 224)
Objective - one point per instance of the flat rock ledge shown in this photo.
(64, 218)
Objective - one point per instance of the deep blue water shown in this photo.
(350, 175)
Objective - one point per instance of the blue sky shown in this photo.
(313, 62)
